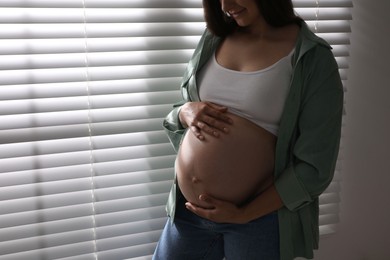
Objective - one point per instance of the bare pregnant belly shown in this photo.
(234, 167)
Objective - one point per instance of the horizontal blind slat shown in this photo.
(44, 189)
(99, 15)
(126, 204)
(76, 89)
(46, 202)
(82, 157)
(77, 45)
(103, 4)
(49, 105)
(127, 241)
(328, 229)
(37, 76)
(60, 31)
(45, 228)
(23, 218)
(133, 178)
(67, 241)
(44, 161)
(130, 216)
(135, 165)
(82, 116)
(328, 219)
(136, 246)
(330, 26)
(70, 60)
(327, 3)
(72, 251)
(128, 191)
(44, 175)
(73, 131)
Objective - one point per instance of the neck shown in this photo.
(266, 32)
(259, 30)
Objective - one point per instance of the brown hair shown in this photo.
(276, 13)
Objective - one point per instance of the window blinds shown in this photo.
(85, 167)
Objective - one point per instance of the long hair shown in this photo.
(277, 13)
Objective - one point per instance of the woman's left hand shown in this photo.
(220, 211)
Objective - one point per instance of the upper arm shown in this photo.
(315, 149)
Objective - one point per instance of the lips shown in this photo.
(236, 13)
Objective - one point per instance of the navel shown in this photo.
(195, 180)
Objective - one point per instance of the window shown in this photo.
(85, 167)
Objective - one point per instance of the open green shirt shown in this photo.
(308, 139)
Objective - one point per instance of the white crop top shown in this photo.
(258, 96)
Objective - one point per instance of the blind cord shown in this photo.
(90, 134)
(317, 15)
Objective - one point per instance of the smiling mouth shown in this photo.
(236, 13)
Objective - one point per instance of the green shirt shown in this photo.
(308, 139)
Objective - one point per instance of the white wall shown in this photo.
(365, 198)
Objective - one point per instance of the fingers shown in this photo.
(209, 199)
(217, 107)
(219, 122)
(207, 125)
(197, 132)
(219, 112)
(213, 120)
(219, 210)
(202, 212)
(205, 118)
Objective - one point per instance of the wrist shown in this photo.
(247, 214)
(265, 203)
(181, 119)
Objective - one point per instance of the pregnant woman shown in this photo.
(257, 137)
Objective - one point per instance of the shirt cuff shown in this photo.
(291, 190)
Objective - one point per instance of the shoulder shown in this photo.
(319, 63)
(320, 70)
(315, 52)
(320, 58)
(311, 46)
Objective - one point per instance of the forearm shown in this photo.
(268, 201)
(221, 211)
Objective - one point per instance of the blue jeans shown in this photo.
(192, 237)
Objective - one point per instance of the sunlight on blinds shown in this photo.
(85, 167)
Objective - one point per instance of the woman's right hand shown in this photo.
(205, 117)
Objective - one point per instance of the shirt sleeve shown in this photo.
(315, 151)
(171, 123)
(173, 127)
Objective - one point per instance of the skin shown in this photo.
(208, 120)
